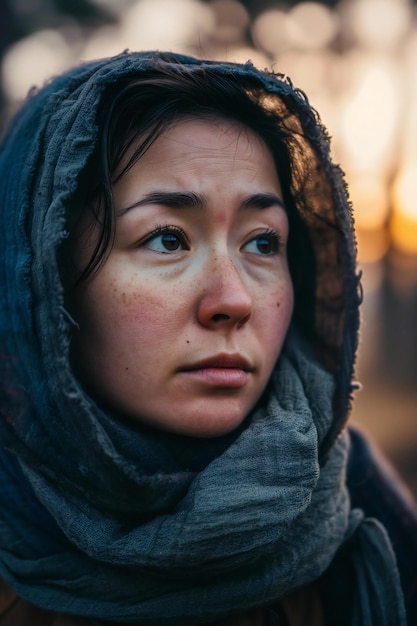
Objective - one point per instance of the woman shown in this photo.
(178, 331)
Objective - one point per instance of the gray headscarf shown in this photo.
(120, 523)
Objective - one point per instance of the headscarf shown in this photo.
(118, 522)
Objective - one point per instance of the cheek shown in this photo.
(133, 314)
(275, 318)
(284, 303)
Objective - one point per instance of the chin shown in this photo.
(205, 418)
(207, 425)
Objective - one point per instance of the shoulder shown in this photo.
(375, 488)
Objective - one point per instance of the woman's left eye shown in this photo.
(265, 244)
(166, 239)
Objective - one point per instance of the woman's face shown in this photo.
(183, 324)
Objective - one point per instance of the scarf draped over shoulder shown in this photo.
(124, 525)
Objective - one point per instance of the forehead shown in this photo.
(206, 147)
(219, 166)
(212, 134)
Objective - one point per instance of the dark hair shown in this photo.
(147, 104)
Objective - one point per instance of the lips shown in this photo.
(222, 361)
(223, 370)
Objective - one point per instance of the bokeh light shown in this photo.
(270, 31)
(370, 115)
(311, 25)
(30, 61)
(404, 215)
(379, 24)
(148, 25)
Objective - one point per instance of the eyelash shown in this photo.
(273, 236)
(166, 229)
(269, 233)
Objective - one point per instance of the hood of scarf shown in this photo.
(109, 497)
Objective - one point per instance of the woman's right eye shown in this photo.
(166, 239)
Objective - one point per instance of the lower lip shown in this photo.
(220, 376)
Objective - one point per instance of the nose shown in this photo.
(225, 301)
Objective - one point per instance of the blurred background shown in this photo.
(357, 61)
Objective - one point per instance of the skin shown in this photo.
(192, 277)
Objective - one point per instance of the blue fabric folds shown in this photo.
(379, 598)
(258, 522)
(122, 524)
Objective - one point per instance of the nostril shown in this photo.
(219, 317)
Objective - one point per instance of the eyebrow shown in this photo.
(191, 200)
(262, 201)
(172, 199)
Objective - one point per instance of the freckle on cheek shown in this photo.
(278, 304)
